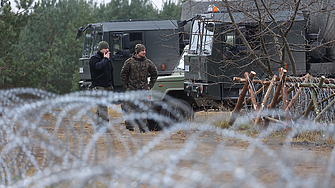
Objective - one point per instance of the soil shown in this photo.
(305, 158)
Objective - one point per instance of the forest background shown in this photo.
(38, 46)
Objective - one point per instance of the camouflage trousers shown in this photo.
(102, 110)
(129, 108)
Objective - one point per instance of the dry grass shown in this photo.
(281, 136)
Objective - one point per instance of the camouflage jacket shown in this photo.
(135, 72)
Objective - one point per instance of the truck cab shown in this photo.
(162, 39)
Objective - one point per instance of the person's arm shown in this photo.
(153, 75)
(125, 74)
(112, 75)
(96, 64)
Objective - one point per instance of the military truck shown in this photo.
(162, 39)
(223, 46)
(164, 43)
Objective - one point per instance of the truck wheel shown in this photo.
(153, 125)
(178, 111)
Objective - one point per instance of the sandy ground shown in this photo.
(226, 160)
(304, 159)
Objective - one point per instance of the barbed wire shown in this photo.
(57, 140)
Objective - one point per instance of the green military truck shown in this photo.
(162, 38)
(164, 43)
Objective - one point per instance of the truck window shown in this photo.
(234, 45)
(230, 41)
(202, 37)
(117, 44)
(253, 36)
(92, 38)
(88, 43)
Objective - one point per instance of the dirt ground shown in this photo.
(305, 158)
(265, 162)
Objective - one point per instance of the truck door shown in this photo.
(119, 49)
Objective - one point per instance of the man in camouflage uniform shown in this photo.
(134, 76)
(102, 74)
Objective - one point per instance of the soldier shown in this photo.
(102, 74)
(134, 76)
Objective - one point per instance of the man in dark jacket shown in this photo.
(134, 76)
(102, 74)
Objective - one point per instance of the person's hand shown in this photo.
(148, 88)
(107, 54)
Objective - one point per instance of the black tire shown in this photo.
(178, 111)
(153, 125)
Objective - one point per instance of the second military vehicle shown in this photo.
(226, 44)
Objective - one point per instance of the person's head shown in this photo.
(140, 50)
(103, 47)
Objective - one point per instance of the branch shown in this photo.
(260, 63)
(283, 36)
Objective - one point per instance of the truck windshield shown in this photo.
(117, 45)
(202, 37)
(92, 38)
(180, 66)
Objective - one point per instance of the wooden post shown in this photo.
(314, 96)
(267, 94)
(331, 86)
(287, 109)
(292, 86)
(252, 96)
(285, 96)
(274, 120)
(321, 81)
(314, 100)
(278, 89)
(282, 73)
(318, 117)
(238, 79)
(310, 104)
(323, 100)
(327, 81)
(240, 100)
(257, 92)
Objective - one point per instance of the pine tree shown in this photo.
(11, 24)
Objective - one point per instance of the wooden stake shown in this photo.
(257, 92)
(274, 120)
(252, 96)
(267, 94)
(310, 104)
(331, 86)
(240, 100)
(318, 117)
(277, 92)
(323, 100)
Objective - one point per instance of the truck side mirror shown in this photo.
(126, 41)
(80, 32)
(126, 53)
(126, 45)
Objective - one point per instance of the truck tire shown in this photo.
(178, 111)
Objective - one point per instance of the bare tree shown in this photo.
(260, 36)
